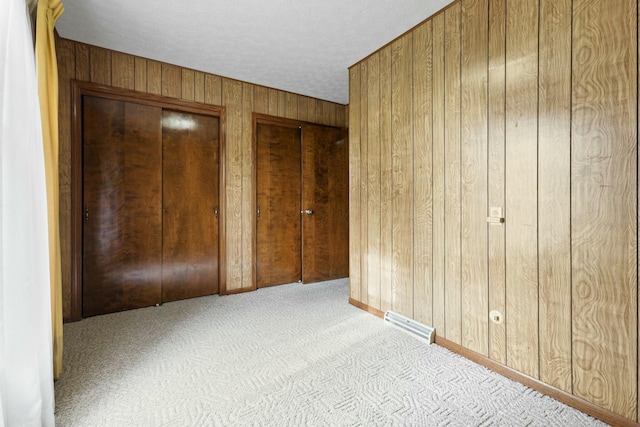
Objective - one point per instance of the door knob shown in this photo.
(308, 211)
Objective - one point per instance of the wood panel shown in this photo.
(386, 183)
(122, 240)
(521, 187)
(473, 127)
(282, 103)
(311, 107)
(122, 70)
(154, 77)
(496, 142)
(303, 109)
(278, 177)
(171, 80)
(402, 160)
(273, 102)
(604, 204)
(65, 50)
(100, 65)
(247, 188)
(452, 209)
(232, 99)
(198, 94)
(437, 184)
(190, 144)
(422, 170)
(140, 82)
(554, 197)
(373, 182)
(355, 252)
(212, 89)
(291, 106)
(364, 191)
(82, 58)
(188, 84)
(260, 99)
(534, 110)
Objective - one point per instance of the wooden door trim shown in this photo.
(82, 88)
(265, 119)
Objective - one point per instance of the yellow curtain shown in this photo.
(47, 70)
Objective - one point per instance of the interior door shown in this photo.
(278, 222)
(122, 240)
(325, 202)
(190, 205)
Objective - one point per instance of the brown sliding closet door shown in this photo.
(325, 201)
(122, 240)
(190, 205)
(278, 202)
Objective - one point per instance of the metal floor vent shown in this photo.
(410, 325)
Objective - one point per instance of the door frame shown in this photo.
(83, 88)
(265, 119)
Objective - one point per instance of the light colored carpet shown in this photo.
(293, 355)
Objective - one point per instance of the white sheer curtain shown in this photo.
(26, 372)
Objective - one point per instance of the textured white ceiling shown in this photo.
(301, 46)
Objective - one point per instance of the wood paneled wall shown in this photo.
(531, 106)
(90, 63)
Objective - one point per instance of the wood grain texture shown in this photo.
(247, 189)
(386, 183)
(319, 117)
(438, 171)
(198, 83)
(189, 224)
(373, 182)
(355, 253)
(171, 80)
(188, 84)
(325, 184)
(100, 65)
(402, 163)
(473, 128)
(604, 204)
(122, 248)
(521, 187)
(311, 108)
(278, 177)
(154, 77)
(212, 89)
(496, 142)
(65, 50)
(282, 104)
(364, 191)
(273, 102)
(232, 100)
(341, 116)
(422, 171)
(291, 106)
(554, 193)
(303, 108)
(452, 209)
(328, 113)
(260, 99)
(140, 82)
(122, 70)
(82, 62)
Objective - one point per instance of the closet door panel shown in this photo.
(121, 195)
(278, 175)
(325, 178)
(189, 205)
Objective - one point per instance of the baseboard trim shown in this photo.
(560, 395)
(365, 307)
